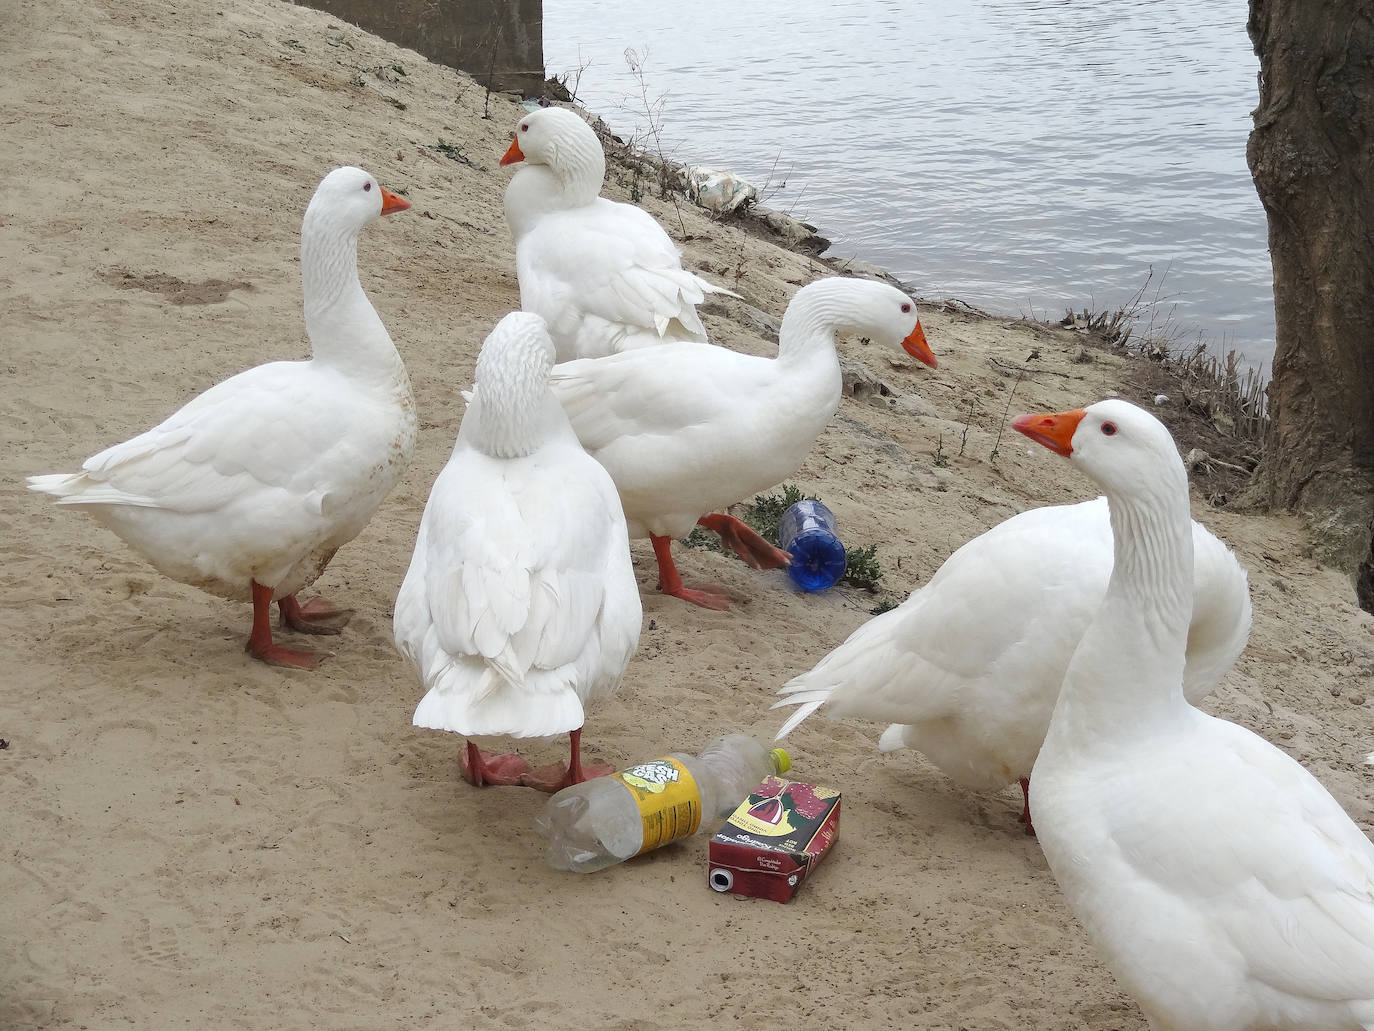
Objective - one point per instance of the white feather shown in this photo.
(969, 667)
(688, 428)
(1223, 885)
(604, 275)
(265, 475)
(520, 603)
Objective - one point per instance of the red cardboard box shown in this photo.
(774, 840)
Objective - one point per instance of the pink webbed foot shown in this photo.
(291, 658)
(670, 583)
(260, 644)
(317, 616)
(745, 542)
(706, 597)
(483, 769)
(558, 776)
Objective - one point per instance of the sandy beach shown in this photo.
(194, 839)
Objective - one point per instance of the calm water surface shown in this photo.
(1022, 155)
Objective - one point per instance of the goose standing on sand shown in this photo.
(249, 490)
(520, 603)
(968, 668)
(604, 275)
(686, 428)
(1223, 885)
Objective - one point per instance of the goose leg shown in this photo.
(670, 583)
(557, 777)
(260, 644)
(486, 770)
(1025, 816)
(317, 616)
(742, 539)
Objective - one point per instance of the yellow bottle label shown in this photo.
(668, 799)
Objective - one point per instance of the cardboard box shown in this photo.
(775, 839)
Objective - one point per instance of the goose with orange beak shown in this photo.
(967, 670)
(686, 429)
(1219, 880)
(604, 275)
(249, 490)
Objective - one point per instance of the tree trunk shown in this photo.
(1311, 154)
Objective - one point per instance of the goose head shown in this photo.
(511, 393)
(878, 311)
(560, 139)
(1120, 446)
(349, 198)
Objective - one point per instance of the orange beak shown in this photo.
(392, 203)
(1054, 431)
(512, 154)
(916, 346)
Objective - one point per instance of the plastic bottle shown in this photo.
(604, 821)
(807, 532)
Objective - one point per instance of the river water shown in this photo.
(1024, 156)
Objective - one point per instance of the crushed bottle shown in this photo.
(601, 822)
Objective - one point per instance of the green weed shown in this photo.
(861, 567)
(453, 152)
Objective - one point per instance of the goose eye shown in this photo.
(524, 128)
(367, 187)
(906, 309)
(1108, 428)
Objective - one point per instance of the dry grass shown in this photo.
(1230, 394)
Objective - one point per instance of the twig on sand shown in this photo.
(1022, 368)
(491, 70)
(1001, 425)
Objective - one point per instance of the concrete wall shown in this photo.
(500, 39)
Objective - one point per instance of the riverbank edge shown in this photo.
(1219, 415)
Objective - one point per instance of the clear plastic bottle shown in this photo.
(605, 821)
(807, 532)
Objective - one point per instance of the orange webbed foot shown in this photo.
(745, 541)
(317, 616)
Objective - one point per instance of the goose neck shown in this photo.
(1125, 678)
(812, 319)
(1152, 541)
(343, 327)
(510, 419)
(329, 265)
(580, 165)
(533, 191)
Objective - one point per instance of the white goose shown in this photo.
(685, 428)
(520, 603)
(1223, 885)
(604, 275)
(249, 490)
(970, 665)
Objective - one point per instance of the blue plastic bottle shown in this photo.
(807, 532)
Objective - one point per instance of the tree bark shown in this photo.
(1311, 154)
